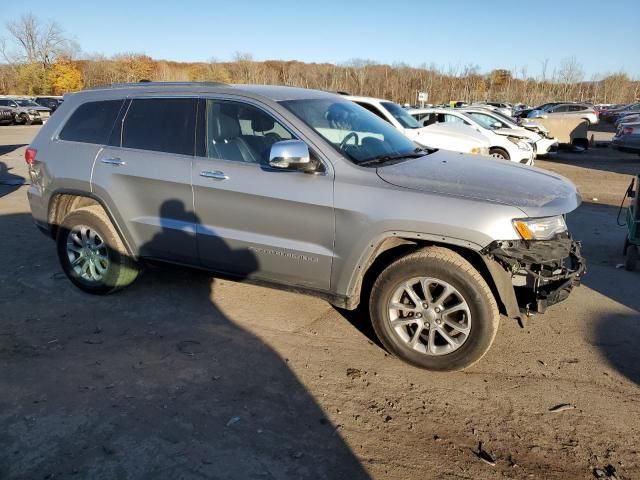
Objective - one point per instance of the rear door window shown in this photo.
(91, 122)
(161, 124)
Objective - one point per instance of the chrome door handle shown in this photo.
(216, 175)
(113, 161)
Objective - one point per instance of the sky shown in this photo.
(601, 35)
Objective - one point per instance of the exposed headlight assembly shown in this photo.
(522, 145)
(540, 228)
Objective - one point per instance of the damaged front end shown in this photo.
(541, 272)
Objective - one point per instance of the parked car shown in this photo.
(6, 116)
(25, 111)
(51, 103)
(627, 138)
(629, 118)
(613, 114)
(524, 112)
(501, 107)
(544, 143)
(505, 144)
(455, 138)
(303, 190)
(623, 115)
(567, 110)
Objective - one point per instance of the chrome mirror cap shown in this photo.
(291, 154)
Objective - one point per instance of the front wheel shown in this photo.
(434, 310)
(499, 153)
(92, 254)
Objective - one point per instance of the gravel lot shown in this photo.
(184, 376)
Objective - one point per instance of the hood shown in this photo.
(536, 192)
(512, 132)
(453, 130)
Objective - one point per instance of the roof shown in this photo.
(273, 92)
(355, 98)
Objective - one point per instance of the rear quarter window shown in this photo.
(91, 122)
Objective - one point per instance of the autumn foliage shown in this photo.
(43, 64)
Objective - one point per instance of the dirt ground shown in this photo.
(182, 376)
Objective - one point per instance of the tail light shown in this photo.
(30, 155)
(627, 131)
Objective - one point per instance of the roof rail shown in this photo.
(147, 83)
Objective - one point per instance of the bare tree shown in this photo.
(36, 42)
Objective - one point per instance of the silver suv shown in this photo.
(307, 191)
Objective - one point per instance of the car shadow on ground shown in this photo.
(595, 225)
(617, 337)
(154, 381)
(8, 181)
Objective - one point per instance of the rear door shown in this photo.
(253, 220)
(145, 176)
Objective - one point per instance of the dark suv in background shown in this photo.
(307, 191)
(51, 103)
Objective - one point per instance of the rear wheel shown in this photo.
(496, 152)
(434, 310)
(92, 254)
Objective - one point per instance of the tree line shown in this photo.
(38, 59)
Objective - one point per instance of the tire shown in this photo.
(18, 119)
(439, 265)
(118, 271)
(499, 153)
(631, 258)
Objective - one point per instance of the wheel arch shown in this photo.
(64, 201)
(392, 247)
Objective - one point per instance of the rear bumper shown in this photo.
(542, 273)
(629, 143)
(38, 209)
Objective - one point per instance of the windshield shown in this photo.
(27, 103)
(354, 131)
(504, 119)
(484, 120)
(401, 115)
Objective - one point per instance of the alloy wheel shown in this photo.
(430, 316)
(88, 253)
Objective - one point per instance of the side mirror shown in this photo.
(496, 125)
(290, 154)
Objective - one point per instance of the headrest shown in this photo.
(262, 123)
(225, 127)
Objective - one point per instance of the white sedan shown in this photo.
(505, 143)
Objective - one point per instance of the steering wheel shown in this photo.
(349, 136)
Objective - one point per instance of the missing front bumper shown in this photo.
(542, 272)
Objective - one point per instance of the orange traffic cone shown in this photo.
(592, 141)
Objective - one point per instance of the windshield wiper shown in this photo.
(417, 153)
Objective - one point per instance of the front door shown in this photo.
(255, 221)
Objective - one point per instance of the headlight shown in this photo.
(540, 228)
(475, 150)
(522, 145)
(33, 112)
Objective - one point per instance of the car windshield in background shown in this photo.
(354, 131)
(401, 115)
(500, 117)
(27, 103)
(484, 120)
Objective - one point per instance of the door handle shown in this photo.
(113, 161)
(216, 175)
